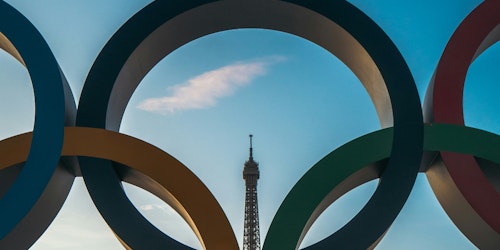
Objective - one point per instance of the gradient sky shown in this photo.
(200, 103)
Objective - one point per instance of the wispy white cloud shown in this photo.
(204, 90)
(149, 207)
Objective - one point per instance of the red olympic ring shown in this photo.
(479, 30)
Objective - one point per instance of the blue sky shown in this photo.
(200, 103)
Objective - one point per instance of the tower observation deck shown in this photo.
(251, 232)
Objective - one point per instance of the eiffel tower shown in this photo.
(251, 232)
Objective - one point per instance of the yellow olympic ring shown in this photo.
(173, 182)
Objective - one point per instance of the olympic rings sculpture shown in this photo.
(36, 176)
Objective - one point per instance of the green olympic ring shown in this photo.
(331, 177)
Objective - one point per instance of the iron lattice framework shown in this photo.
(251, 231)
